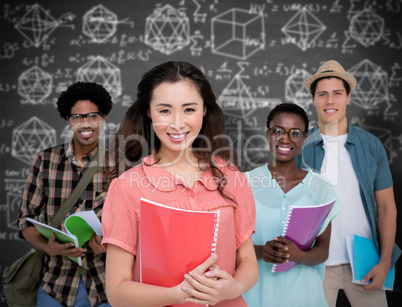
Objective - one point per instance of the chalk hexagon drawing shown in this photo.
(99, 24)
(372, 88)
(31, 137)
(100, 70)
(35, 85)
(366, 27)
(167, 30)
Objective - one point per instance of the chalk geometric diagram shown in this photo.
(237, 100)
(372, 86)
(99, 24)
(295, 91)
(238, 33)
(31, 137)
(303, 29)
(35, 85)
(167, 30)
(366, 27)
(37, 24)
(250, 145)
(14, 196)
(100, 70)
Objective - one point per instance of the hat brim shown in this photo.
(344, 76)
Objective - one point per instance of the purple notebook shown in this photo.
(301, 227)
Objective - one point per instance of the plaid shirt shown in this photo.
(52, 179)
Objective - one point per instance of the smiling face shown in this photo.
(86, 133)
(177, 112)
(330, 100)
(283, 149)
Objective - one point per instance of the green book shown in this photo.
(79, 227)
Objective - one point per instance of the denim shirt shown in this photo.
(370, 164)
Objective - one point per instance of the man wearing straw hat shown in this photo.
(356, 163)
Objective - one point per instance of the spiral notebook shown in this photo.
(363, 255)
(174, 241)
(302, 225)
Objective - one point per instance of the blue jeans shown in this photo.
(45, 300)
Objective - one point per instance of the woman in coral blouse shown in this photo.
(177, 126)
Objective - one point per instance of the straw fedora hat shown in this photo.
(331, 69)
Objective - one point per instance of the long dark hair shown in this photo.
(136, 139)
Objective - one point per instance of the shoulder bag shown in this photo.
(21, 280)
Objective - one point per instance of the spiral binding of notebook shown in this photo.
(285, 228)
(216, 227)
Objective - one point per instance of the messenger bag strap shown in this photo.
(79, 189)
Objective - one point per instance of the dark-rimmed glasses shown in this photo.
(92, 117)
(295, 135)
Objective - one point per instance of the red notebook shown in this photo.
(174, 241)
(301, 227)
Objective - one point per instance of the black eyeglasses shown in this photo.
(295, 135)
(92, 117)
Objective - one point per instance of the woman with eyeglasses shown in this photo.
(276, 186)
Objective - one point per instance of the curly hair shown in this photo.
(91, 91)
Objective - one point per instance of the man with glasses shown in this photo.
(356, 163)
(55, 173)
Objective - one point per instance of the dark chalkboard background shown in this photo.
(255, 53)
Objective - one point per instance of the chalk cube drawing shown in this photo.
(100, 70)
(167, 30)
(238, 33)
(99, 24)
(35, 85)
(31, 137)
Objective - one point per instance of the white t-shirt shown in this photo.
(337, 167)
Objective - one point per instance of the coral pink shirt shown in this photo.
(120, 218)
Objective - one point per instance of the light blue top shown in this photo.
(302, 285)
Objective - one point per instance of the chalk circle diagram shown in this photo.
(102, 71)
(167, 30)
(303, 29)
(31, 137)
(37, 24)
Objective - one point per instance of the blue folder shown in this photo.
(365, 256)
